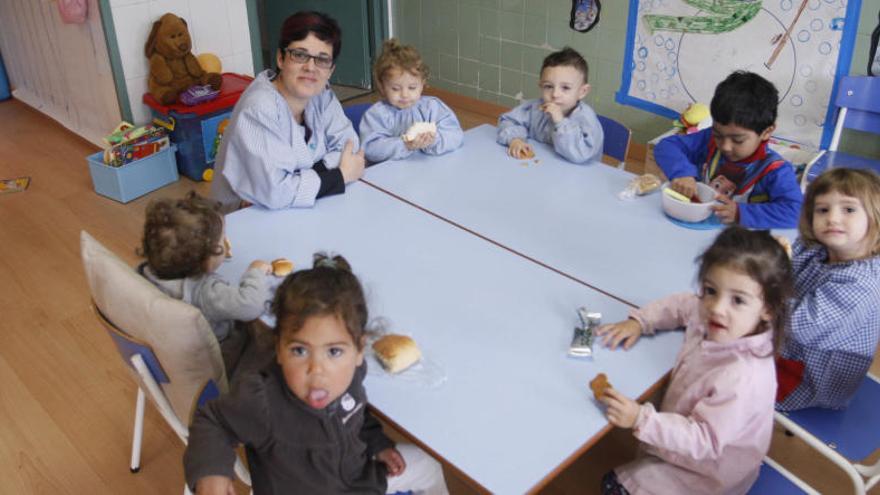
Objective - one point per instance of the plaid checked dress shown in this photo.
(834, 330)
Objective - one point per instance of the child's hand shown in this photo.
(686, 186)
(553, 110)
(625, 332)
(392, 460)
(351, 164)
(421, 141)
(261, 266)
(215, 485)
(727, 210)
(622, 411)
(520, 149)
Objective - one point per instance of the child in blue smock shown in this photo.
(835, 316)
(559, 117)
(756, 187)
(400, 75)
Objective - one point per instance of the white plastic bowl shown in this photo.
(689, 212)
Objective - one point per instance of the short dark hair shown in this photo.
(747, 100)
(762, 258)
(298, 26)
(180, 235)
(328, 288)
(567, 57)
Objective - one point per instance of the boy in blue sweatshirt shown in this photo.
(756, 187)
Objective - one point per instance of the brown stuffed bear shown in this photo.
(173, 68)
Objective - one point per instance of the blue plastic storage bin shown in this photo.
(197, 129)
(134, 179)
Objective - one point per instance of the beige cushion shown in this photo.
(178, 333)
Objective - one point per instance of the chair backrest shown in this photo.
(175, 332)
(354, 114)
(858, 102)
(617, 137)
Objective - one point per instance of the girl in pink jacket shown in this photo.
(716, 419)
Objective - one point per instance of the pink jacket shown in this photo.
(715, 423)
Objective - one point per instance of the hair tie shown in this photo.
(326, 262)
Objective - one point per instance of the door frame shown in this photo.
(377, 29)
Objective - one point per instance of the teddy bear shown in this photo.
(173, 67)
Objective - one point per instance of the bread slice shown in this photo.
(397, 352)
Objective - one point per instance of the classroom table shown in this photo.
(564, 216)
(514, 409)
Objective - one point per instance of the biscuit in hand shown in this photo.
(599, 385)
(282, 267)
(397, 352)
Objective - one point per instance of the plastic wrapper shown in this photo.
(425, 373)
(582, 341)
(640, 185)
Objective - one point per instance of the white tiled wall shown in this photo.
(216, 26)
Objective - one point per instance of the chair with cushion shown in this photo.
(858, 103)
(844, 436)
(355, 113)
(167, 345)
(617, 138)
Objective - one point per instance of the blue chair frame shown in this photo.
(777, 480)
(617, 139)
(858, 102)
(844, 436)
(355, 113)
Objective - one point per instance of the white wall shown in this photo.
(62, 70)
(215, 26)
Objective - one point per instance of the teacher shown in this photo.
(289, 142)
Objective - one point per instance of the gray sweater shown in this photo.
(291, 447)
(221, 302)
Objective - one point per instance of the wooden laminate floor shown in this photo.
(66, 400)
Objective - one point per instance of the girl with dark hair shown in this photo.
(716, 419)
(289, 141)
(303, 417)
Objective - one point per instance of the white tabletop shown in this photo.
(559, 214)
(514, 407)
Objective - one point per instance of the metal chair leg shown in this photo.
(138, 432)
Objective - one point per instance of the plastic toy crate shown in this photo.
(197, 129)
(134, 179)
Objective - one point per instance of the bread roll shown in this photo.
(419, 128)
(397, 352)
(282, 267)
(599, 385)
(227, 246)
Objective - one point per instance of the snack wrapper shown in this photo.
(582, 341)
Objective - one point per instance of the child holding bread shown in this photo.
(303, 417)
(404, 121)
(184, 244)
(559, 117)
(716, 419)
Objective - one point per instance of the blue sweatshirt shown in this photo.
(770, 197)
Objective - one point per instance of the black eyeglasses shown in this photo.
(302, 57)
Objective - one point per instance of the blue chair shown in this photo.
(617, 138)
(354, 114)
(858, 100)
(777, 480)
(844, 436)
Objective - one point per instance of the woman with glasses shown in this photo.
(289, 142)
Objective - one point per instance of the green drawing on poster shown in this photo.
(725, 16)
